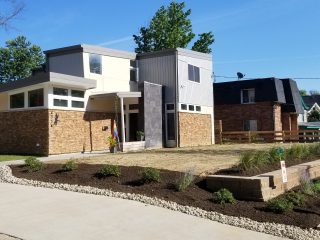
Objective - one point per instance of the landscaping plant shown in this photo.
(223, 196)
(110, 170)
(306, 185)
(69, 166)
(184, 182)
(150, 175)
(296, 198)
(316, 187)
(279, 205)
(34, 164)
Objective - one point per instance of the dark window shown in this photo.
(35, 98)
(170, 126)
(193, 73)
(17, 100)
(250, 125)
(95, 63)
(60, 103)
(133, 106)
(184, 107)
(77, 104)
(198, 108)
(60, 91)
(77, 93)
(133, 75)
(133, 64)
(170, 106)
(248, 96)
(191, 108)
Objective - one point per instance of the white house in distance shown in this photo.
(84, 91)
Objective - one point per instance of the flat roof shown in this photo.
(52, 77)
(118, 94)
(91, 49)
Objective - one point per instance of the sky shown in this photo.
(260, 38)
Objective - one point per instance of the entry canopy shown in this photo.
(116, 94)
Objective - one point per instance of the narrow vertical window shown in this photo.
(95, 63)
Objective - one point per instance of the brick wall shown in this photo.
(233, 116)
(74, 131)
(24, 132)
(194, 129)
(277, 117)
(286, 121)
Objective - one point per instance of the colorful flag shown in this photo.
(115, 131)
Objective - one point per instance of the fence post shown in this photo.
(249, 136)
(283, 137)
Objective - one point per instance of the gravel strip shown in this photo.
(275, 229)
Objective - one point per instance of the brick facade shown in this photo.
(233, 116)
(194, 129)
(24, 132)
(74, 131)
(45, 132)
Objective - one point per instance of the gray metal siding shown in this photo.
(160, 70)
(69, 64)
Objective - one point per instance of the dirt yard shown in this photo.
(200, 160)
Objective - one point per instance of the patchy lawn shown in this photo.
(202, 159)
(4, 158)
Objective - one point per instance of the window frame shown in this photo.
(43, 98)
(24, 100)
(250, 121)
(249, 99)
(193, 73)
(91, 55)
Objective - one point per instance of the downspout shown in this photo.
(177, 101)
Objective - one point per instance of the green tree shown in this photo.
(314, 116)
(18, 59)
(171, 27)
(303, 92)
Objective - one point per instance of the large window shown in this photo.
(60, 91)
(60, 103)
(68, 98)
(95, 63)
(77, 93)
(193, 73)
(35, 98)
(17, 100)
(248, 96)
(250, 125)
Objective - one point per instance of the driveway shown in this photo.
(38, 213)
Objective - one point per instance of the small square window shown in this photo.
(247, 96)
(60, 91)
(250, 125)
(170, 106)
(77, 93)
(77, 104)
(184, 107)
(36, 98)
(60, 103)
(95, 63)
(198, 108)
(17, 100)
(191, 107)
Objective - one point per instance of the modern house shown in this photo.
(309, 103)
(267, 104)
(83, 92)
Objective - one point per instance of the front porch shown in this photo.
(128, 116)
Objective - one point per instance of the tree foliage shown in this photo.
(10, 9)
(171, 27)
(18, 59)
(314, 116)
(303, 92)
(314, 92)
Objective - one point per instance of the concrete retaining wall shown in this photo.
(266, 186)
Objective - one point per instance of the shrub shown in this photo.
(316, 187)
(306, 186)
(34, 164)
(184, 181)
(223, 196)
(69, 166)
(279, 205)
(110, 170)
(150, 175)
(296, 198)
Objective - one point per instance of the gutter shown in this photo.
(177, 101)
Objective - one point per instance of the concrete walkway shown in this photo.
(37, 213)
(59, 157)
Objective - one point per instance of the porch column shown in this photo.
(123, 130)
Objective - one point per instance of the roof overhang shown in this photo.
(50, 77)
(116, 94)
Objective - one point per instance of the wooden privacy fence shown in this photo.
(267, 136)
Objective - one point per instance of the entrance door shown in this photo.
(133, 126)
(170, 125)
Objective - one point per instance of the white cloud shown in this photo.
(115, 41)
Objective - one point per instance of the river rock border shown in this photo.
(275, 229)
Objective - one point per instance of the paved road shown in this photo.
(38, 213)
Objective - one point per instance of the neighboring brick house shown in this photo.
(72, 105)
(267, 104)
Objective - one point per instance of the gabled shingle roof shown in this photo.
(311, 100)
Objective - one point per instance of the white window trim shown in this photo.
(199, 74)
(190, 111)
(248, 89)
(69, 98)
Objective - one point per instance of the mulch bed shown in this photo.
(235, 171)
(196, 195)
